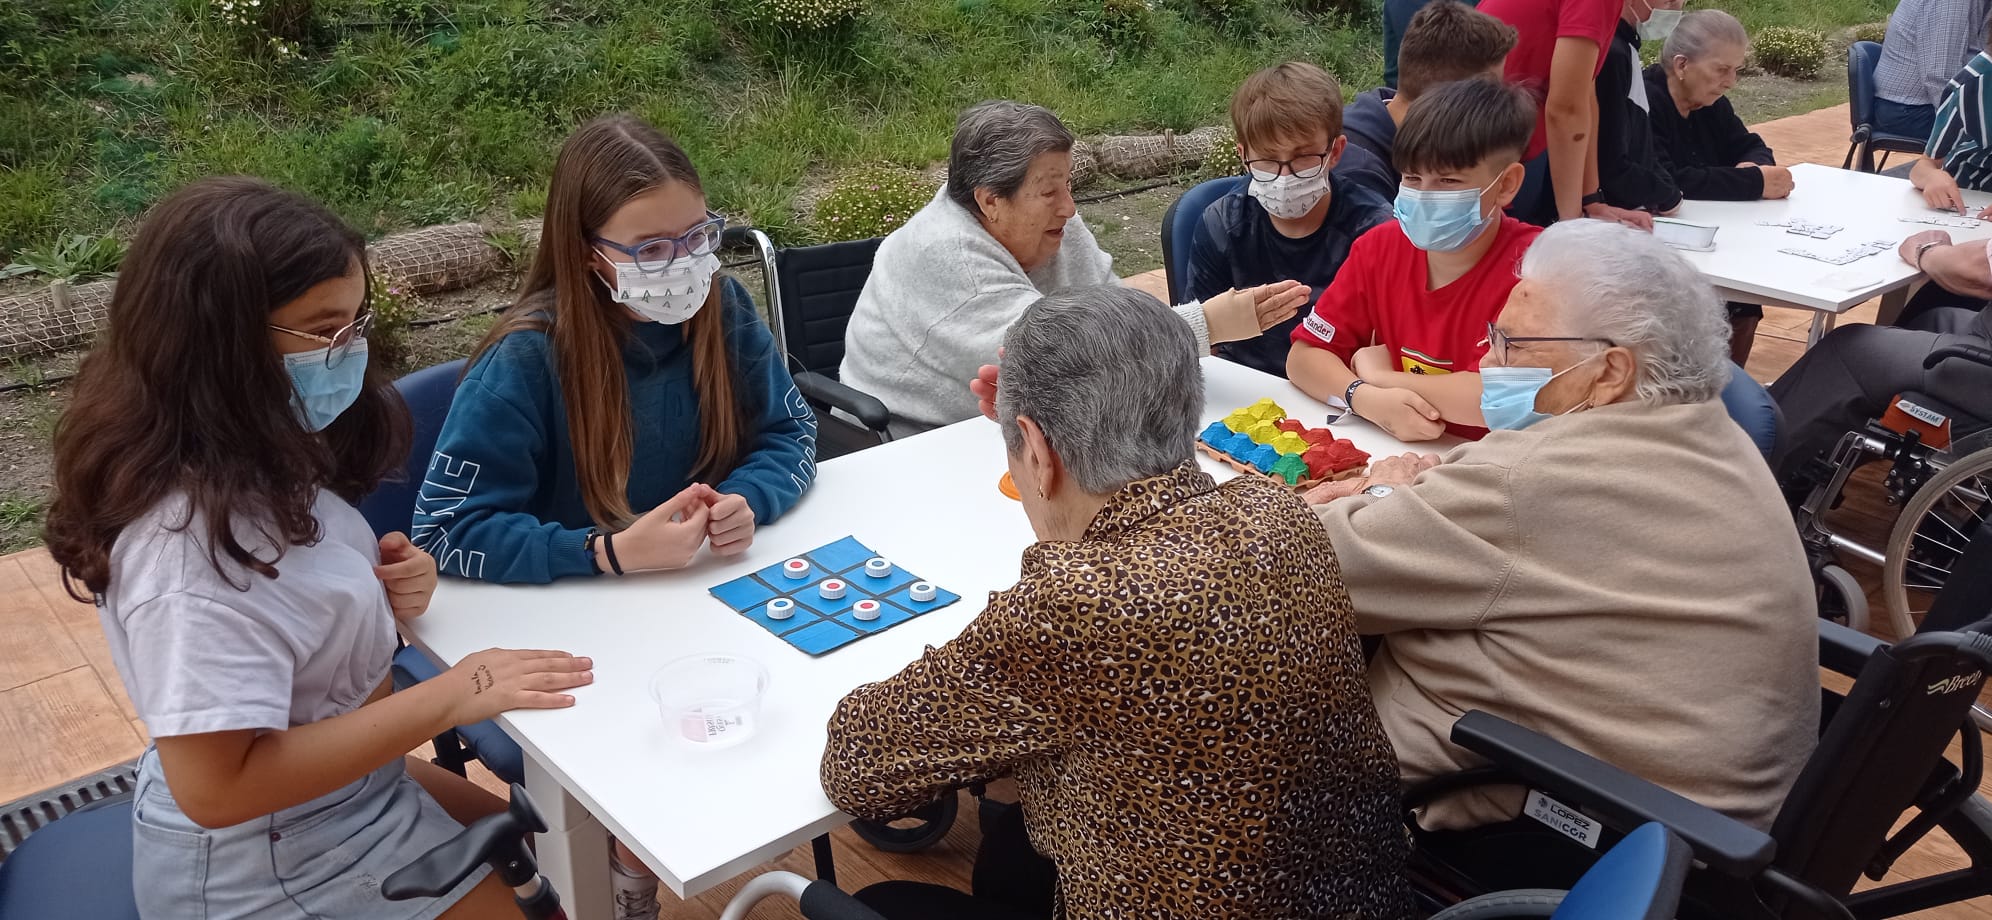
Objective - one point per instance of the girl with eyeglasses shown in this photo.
(630, 407)
(205, 478)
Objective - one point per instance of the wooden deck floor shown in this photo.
(64, 713)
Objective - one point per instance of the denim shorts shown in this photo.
(322, 859)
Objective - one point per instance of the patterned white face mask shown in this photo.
(671, 296)
(1290, 197)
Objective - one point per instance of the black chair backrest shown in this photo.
(819, 289)
(1879, 753)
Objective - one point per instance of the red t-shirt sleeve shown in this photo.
(1596, 20)
(1341, 321)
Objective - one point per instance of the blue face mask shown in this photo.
(1508, 395)
(319, 393)
(1440, 221)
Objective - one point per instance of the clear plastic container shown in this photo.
(711, 700)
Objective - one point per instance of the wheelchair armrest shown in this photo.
(1621, 800)
(1845, 651)
(864, 406)
(1970, 353)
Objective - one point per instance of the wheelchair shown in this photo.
(1940, 474)
(1878, 782)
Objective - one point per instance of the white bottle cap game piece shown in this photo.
(923, 591)
(796, 568)
(781, 608)
(865, 610)
(831, 589)
(878, 568)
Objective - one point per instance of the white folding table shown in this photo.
(1746, 265)
(699, 818)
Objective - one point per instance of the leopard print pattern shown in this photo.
(1180, 695)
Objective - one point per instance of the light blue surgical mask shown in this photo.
(320, 393)
(1508, 395)
(1658, 26)
(1440, 221)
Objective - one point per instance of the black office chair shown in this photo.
(811, 292)
(1881, 756)
(1861, 60)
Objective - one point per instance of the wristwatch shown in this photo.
(1597, 197)
(1924, 247)
(1379, 490)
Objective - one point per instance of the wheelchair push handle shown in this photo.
(497, 840)
(1972, 353)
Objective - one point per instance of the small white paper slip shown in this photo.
(1959, 223)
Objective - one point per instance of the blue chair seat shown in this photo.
(1753, 408)
(78, 866)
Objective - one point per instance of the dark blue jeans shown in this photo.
(1915, 121)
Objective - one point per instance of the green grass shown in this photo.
(20, 520)
(406, 112)
(394, 125)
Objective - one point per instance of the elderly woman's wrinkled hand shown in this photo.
(1277, 302)
(1401, 469)
(1916, 240)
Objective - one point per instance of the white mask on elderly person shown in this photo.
(1290, 197)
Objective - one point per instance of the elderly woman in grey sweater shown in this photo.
(1002, 233)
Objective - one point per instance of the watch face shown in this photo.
(1378, 491)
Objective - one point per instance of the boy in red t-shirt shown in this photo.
(1398, 335)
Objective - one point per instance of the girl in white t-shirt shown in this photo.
(205, 475)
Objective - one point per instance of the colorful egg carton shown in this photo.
(1260, 438)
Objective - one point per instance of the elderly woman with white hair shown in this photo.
(1175, 679)
(1613, 565)
(1706, 147)
(1001, 233)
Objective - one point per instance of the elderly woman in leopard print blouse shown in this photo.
(1175, 680)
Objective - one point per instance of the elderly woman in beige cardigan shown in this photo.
(1616, 569)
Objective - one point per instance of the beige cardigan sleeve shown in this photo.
(1437, 554)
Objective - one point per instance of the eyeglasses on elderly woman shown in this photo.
(1497, 342)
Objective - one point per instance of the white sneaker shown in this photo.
(636, 895)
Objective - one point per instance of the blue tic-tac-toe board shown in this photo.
(821, 625)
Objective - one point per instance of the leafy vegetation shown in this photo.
(870, 201)
(77, 257)
(1789, 52)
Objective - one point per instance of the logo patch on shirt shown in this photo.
(1321, 328)
(1417, 362)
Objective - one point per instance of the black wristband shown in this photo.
(609, 546)
(1349, 395)
(1597, 197)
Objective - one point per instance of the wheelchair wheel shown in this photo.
(918, 830)
(1504, 905)
(1932, 530)
(1840, 597)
